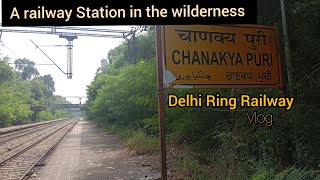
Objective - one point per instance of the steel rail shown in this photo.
(18, 131)
(31, 146)
(15, 130)
(47, 152)
(26, 132)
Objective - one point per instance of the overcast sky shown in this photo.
(87, 54)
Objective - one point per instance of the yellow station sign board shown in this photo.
(226, 56)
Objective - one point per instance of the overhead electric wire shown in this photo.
(2, 43)
(78, 28)
(47, 56)
(53, 45)
(69, 30)
(64, 31)
(37, 64)
(91, 29)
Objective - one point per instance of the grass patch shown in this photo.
(189, 168)
(142, 144)
(134, 140)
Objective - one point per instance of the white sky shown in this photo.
(87, 54)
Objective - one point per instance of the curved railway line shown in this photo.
(20, 163)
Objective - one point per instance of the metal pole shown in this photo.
(69, 54)
(286, 44)
(161, 103)
(69, 63)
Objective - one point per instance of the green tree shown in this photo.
(27, 68)
(48, 83)
(6, 72)
(20, 90)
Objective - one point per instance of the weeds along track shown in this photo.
(19, 163)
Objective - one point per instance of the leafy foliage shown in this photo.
(22, 89)
(26, 68)
(6, 72)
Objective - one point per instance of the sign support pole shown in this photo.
(286, 44)
(161, 103)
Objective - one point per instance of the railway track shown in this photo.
(13, 135)
(19, 164)
(15, 129)
(17, 142)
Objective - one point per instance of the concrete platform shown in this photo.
(88, 152)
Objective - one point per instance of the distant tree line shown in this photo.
(21, 87)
